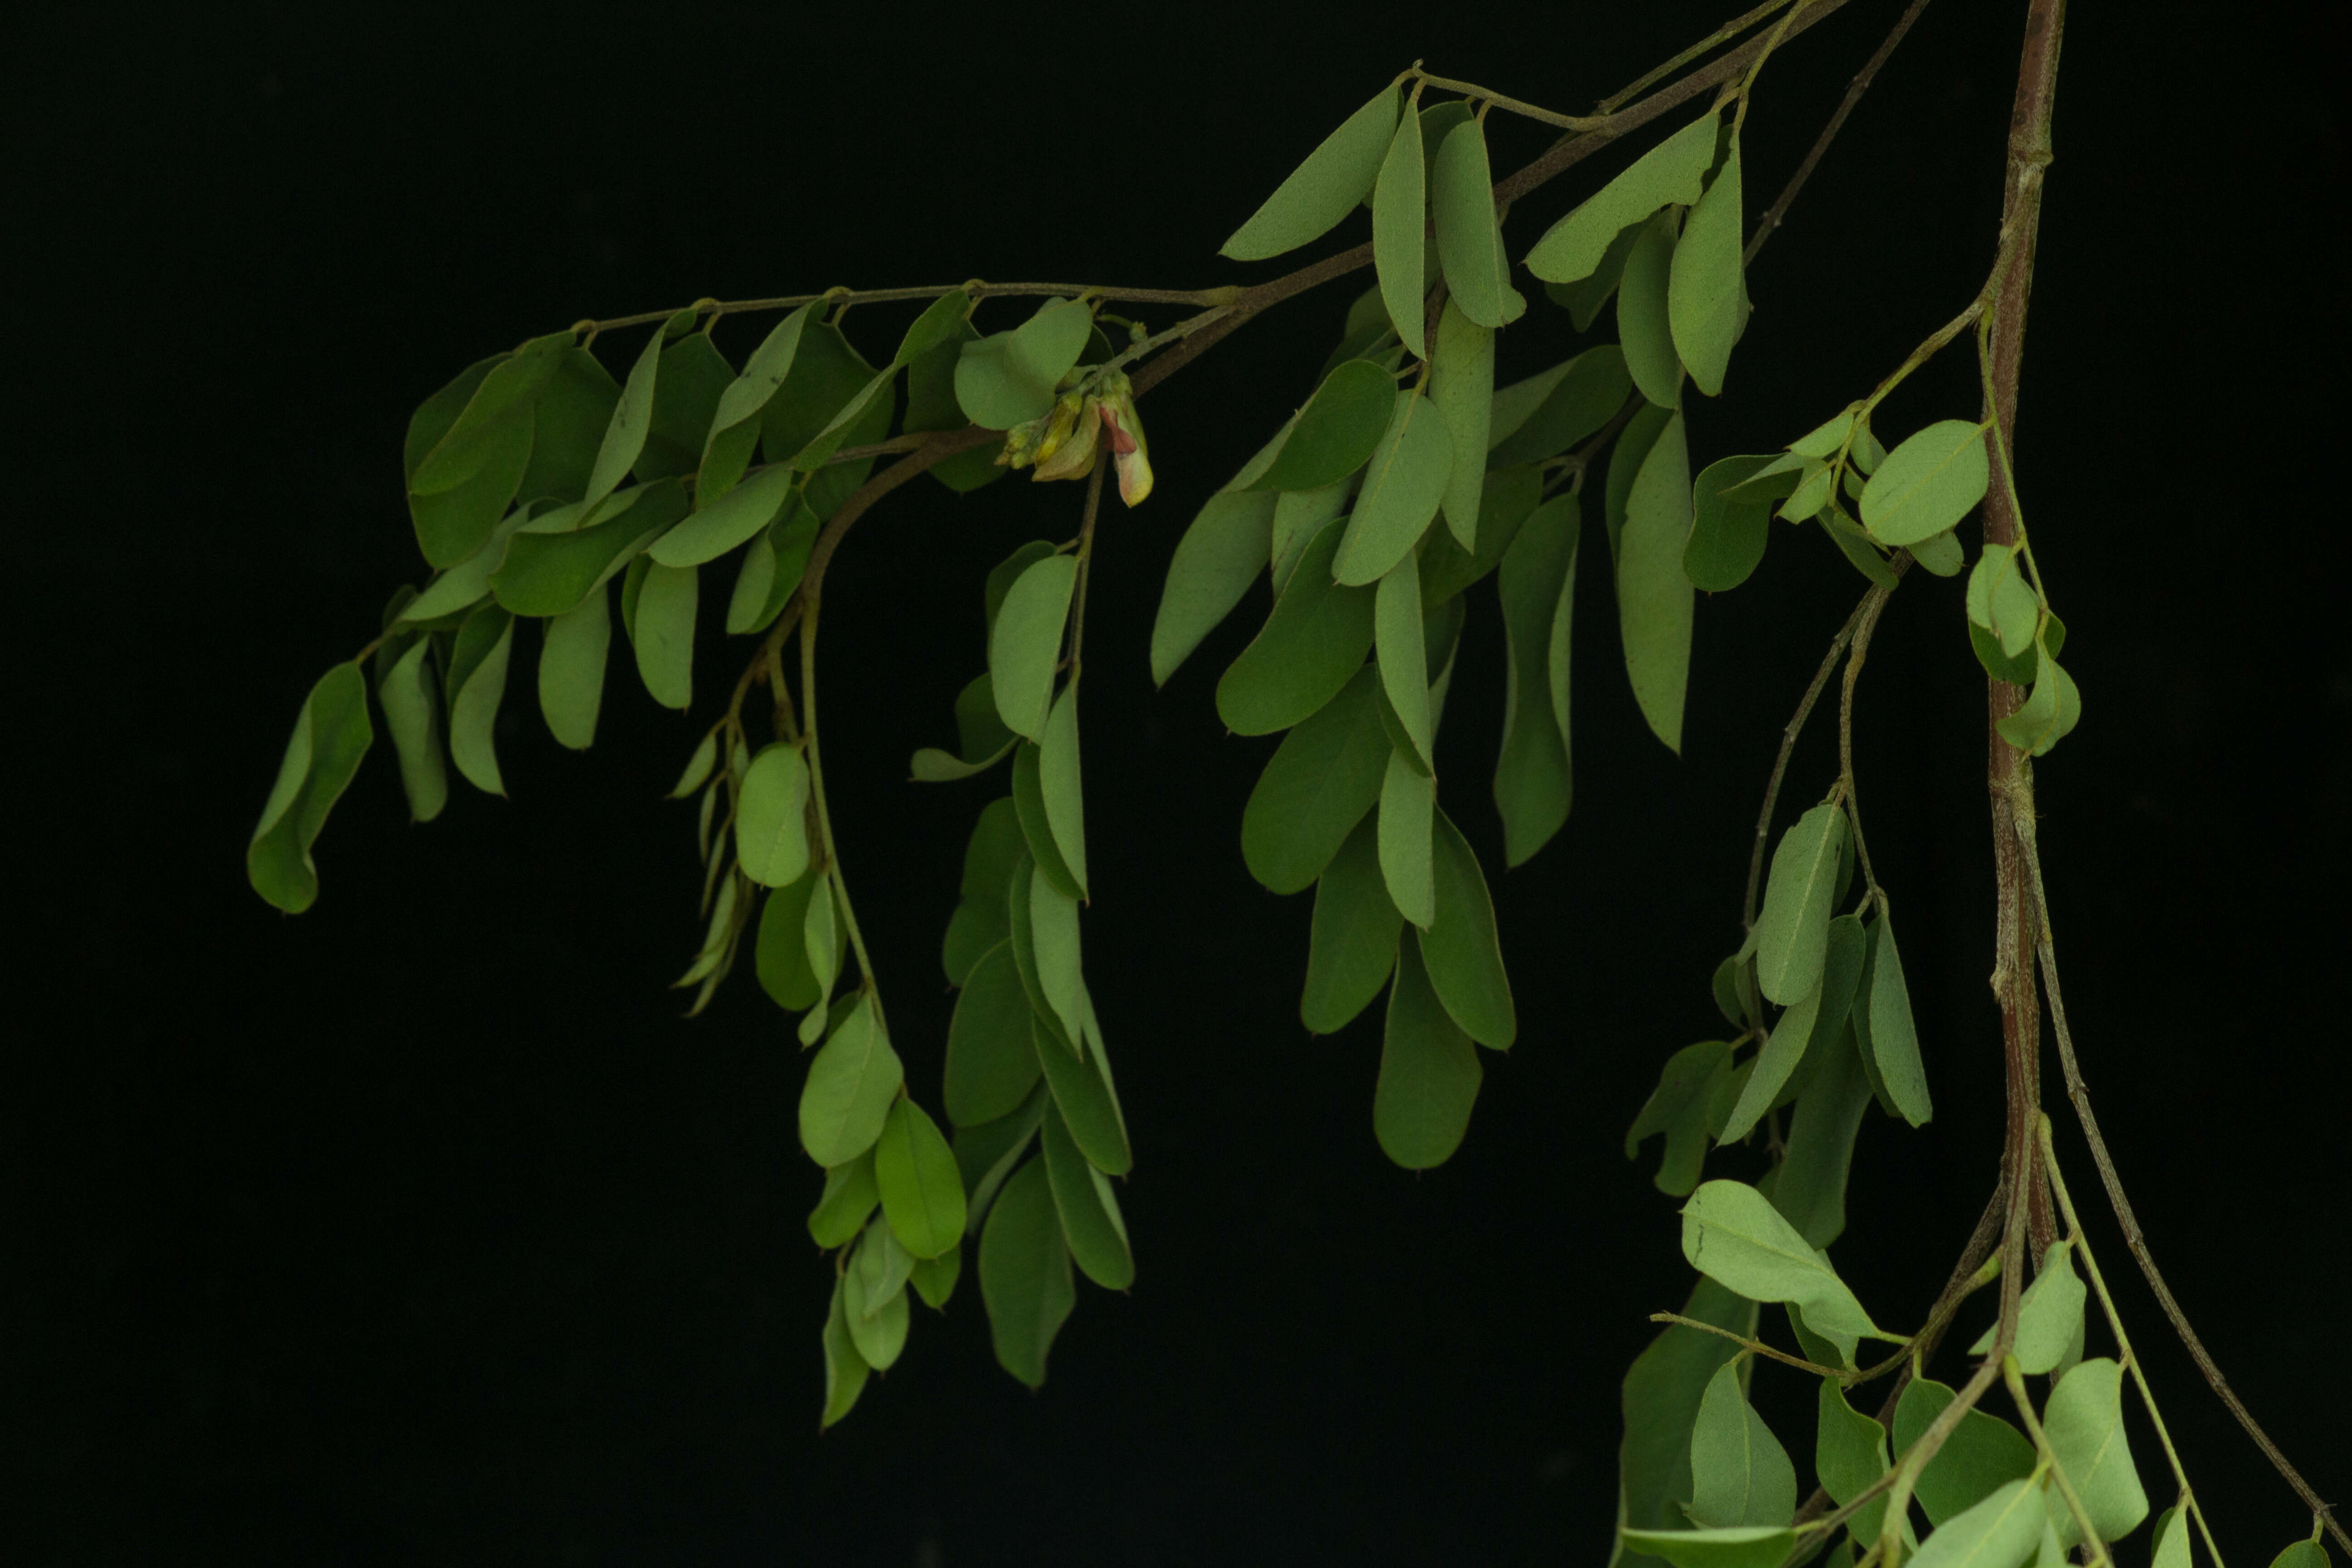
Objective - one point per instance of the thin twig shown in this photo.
(1754, 1346)
(975, 287)
(1872, 604)
(1512, 105)
(1789, 734)
(1861, 84)
(1730, 29)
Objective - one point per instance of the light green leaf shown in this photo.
(2085, 1423)
(1429, 1072)
(728, 522)
(664, 634)
(2303, 1554)
(1626, 460)
(1510, 499)
(1462, 204)
(1353, 945)
(1887, 1033)
(1740, 1546)
(849, 1197)
(1792, 931)
(1298, 516)
(1983, 1454)
(477, 680)
(1087, 1103)
(934, 1279)
(1333, 435)
(1324, 189)
(467, 580)
(453, 524)
(1677, 1108)
(1740, 1473)
(874, 1298)
(1402, 655)
(1729, 526)
(991, 1063)
(1320, 784)
(1706, 300)
(1536, 585)
(1462, 390)
(1309, 649)
(771, 570)
(1643, 329)
(1811, 1026)
(1228, 544)
(827, 374)
(922, 1193)
(1584, 298)
(1036, 827)
(1059, 782)
(548, 574)
(770, 364)
(1404, 483)
(1463, 955)
(2002, 1531)
(481, 434)
(1549, 412)
(1026, 643)
(1850, 1455)
(844, 1369)
(771, 817)
(1671, 172)
(1927, 484)
(412, 714)
(1732, 1233)
(1654, 596)
(851, 1084)
(2171, 1536)
(2051, 709)
(332, 735)
(625, 436)
(1400, 215)
(823, 938)
(2048, 1317)
(1091, 1224)
(1025, 1274)
(979, 921)
(1940, 554)
(1007, 378)
(1408, 804)
(1662, 1393)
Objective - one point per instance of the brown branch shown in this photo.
(1861, 84)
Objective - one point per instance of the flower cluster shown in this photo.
(1095, 412)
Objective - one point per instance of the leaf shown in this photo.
(1510, 497)
(1740, 1473)
(721, 526)
(1538, 585)
(1983, 1454)
(1643, 330)
(1654, 596)
(771, 817)
(464, 584)
(1809, 1188)
(2303, 1554)
(1626, 460)
(1940, 554)
(1850, 1455)
(1741, 1546)
(1353, 945)
(2171, 1537)
(332, 735)
(781, 955)
(1008, 378)
(1310, 646)
(922, 1194)
(1319, 784)
(1462, 391)
(1584, 298)
(1811, 1025)
(1059, 782)
(1462, 204)
(1429, 1072)
(1053, 920)
(547, 573)
(1677, 1108)
(1228, 544)
(934, 1279)
(1404, 484)
(987, 1153)
(850, 1195)
(851, 1084)
(1400, 214)
(1733, 1235)
(1730, 521)
(764, 372)
(664, 634)
(874, 1298)
(694, 376)
(1661, 1400)
(1463, 954)
(1927, 484)
(1025, 1274)
(477, 680)
(2002, 602)
(483, 429)
(1671, 172)
(826, 376)
(979, 921)
(1026, 643)
(452, 524)
(571, 657)
(1792, 931)
(1401, 655)
(991, 1062)
(1324, 189)
(1333, 435)
(1088, 1105)
(2049, 1318)
(412, 715)
(2001, 1532)
(983, 741)
(1889, 1037)
(844, 1369)
(1707, 300)
(821, 938)
(1091, 1224)
(632, 418)
(2083, 1422)
(1408, 804)
(1548, 414)
(2047, 714)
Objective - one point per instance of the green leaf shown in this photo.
(2049, 1316)
(1008, 378)
(1654, 596)
(922, 1194)
(844, 1369)
(1546, 414)
(1408, 806)
(1309, 649)
(1007, 571)
(568, 418)
(934, 1279)
(1811, 1025)
(1850, 1455)
(694, 376)
(477, 680)
(2171, 1537)
(983, 741)
(874, 1298)
(2048, 712)
(979, 921)
(632, 418)
(1404, 483)
(483, 429)
(781, 955)
(1671, 172)
(1707, 300)
(1429, 1072)
(1462, 204)
(822, 938)
(1927, 484)
(1036, 828)
(747, 396)
(1228, 544)
(1584, 298)
(987, 1153)
(1320, 784)
(1792, 931)
(330, 735)
(721, 525)
(1085, 1100)
(1400, 214)
(453, 523)
(1054, 922)
(771, 817)
(850, 1195)
(2004, 1531)
(2303, 1554)
(1626, 460)
(1733, 1235)
(771, 570)
(1662, 1393)
(1729, 527)
(1810, 1186)
(664, 634)
(826, 376)
(851, 1084)
(572, 656)
(1510, 499)
(1889, 1037)
(1677, 1108)
(1091, 1224)
(1401, 655)
(1026, 643)
(1462, 391)
(1025, 1274)
(1333, 435)
(1353, 945)
(2085, 1423)
(1983, 1454)
(1940, 554)
(547, 573)
(436, 414)
(991, 1062)
(1740, 1473)
(1060, 784)
(1740, 1546)
(1463, 955)
(1537, 585)
(412, 714)
(1324, 189)
(1643, 330)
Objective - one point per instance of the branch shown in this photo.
(1779, 209)
(1872, 604)
(1789, 734)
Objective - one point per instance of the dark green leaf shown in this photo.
(1643, 328)
(1549, 412)
(1401, 655)
(1324, 189)
(568, 418)
(1671, 172)
(1728, 531)
(694, 376)
(1400, 214)
(1654, 596)
(922, 1194)
(1887, 1031)
(850, 1195)
(983, 741)
(772, 840)
(1927, 484)
(1626, 460)
(782, 955)
(934, 1279)
(991, 1063)
(1025, 1274)
(330, 735)
(844, 1369)
(1462, 390)
(1059, 784)
(1536, 585)
(412, 714)
(721, 525)
(1706, 302)
(453, 523)
(1008, 378)
(571, 670)
(1739, 1546)
(1036, 826)
(987, 1153)
(1677, 1108)
(1462, 204)
(547, 573)
(771, 570)
(1091, 1224)
(1333, 434)
(1354, 942)
(1584, 298)
(1404, 483)
(771, 364)
(477, 680)
(1219, 557)
(1850, 1455)
(851, 1084)
(1026, 643)
(1740, 1473)
(483, 431)
(827, 373)
(1982, 1453)
(664, 634)
(1429, 1072)
(874, 1297)
(1088, 1108)
(1662, 1393)
(979, 921)
(1463, 955)
(1055, 950)
(1320, 784)
(1792, 931)
(1811, 1023)
(1408, 806)
(1810, 1186)
(1310, 646)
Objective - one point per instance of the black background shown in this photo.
(421, 1228)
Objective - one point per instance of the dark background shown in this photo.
(421, 1228)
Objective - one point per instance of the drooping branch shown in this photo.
(1770, 222)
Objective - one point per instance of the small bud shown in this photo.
(1123, 433)
(1021, 443)
(1068, 452)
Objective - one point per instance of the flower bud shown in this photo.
(1068, 451)
(1123, 433)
